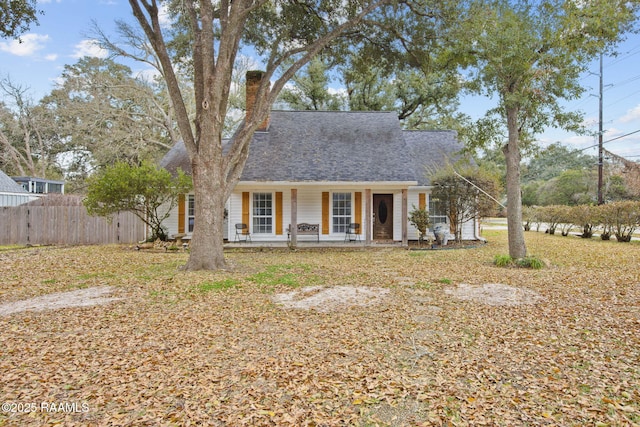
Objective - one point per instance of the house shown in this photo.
(330, 169)
(12, 193)
(40, 185)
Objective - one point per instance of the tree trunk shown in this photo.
(517, 247)
(207, 249)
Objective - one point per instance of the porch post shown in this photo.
(368, 215)
(405, 217)
(293, 227)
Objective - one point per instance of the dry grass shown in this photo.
(201, 348)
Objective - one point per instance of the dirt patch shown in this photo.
(495, 294)
(79, 298)
(327, 299)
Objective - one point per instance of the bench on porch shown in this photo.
(305, 229)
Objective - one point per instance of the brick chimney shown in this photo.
(254, 79)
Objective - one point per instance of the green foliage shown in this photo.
(293, 276)
(515, 44)
(219, 285)
(147, 191)
(502, 260)
(16, 16)
(419, 218)
(572, 187)
(526, 262)
(310, 89)
(529, 262)
(394, 63)
(553, 160)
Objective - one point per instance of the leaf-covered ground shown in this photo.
(183, 348)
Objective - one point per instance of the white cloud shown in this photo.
(147, 74)
(163, 16)
(89, 48)
(632, 115)
(51, 57)
(28, 44)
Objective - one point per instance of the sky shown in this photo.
(63, 36)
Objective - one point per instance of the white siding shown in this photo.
(310, 211)
(171, 223)
(15, 199)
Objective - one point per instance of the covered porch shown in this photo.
(293, 214)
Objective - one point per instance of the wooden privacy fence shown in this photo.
(66, 225)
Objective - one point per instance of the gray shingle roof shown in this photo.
(431, 150)
(307, 146)
(8, 185)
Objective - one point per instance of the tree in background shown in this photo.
(554, 159)
(571, 187)
(530, 56)
(147, 191)
(29, 143)
(16, 16)
(105, 115)
(310, 89)
(396, 65)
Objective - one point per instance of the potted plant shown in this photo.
(419, 218)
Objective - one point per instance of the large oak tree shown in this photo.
(208, 37)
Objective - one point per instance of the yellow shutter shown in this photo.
(245, 209)
(181, 215)
(358, 210)
(278, 212)
(325, 212)
(422, 201)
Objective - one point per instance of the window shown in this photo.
(341, 212)
(262, 213)
(191, 212)
(39, 187)
(437, 213)
(55, 188)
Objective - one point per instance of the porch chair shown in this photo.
(242, 233)
(353, 232)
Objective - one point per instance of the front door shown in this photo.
(383, 216)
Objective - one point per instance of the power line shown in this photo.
(611, 140)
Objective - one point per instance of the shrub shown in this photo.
(502, 260)
(624, 218)
(530, 262)
(587, 217)
(526, 262)
(419, 218)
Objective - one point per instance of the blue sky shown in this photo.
(63, 37)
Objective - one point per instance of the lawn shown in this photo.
(202, 348)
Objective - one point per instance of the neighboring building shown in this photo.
(330, 168)
(40, 185)
(12, 193)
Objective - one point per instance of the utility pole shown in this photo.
(600, 149)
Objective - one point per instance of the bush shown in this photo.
(526, 262)
(530, 262)
(502, 260)
(419, 218)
